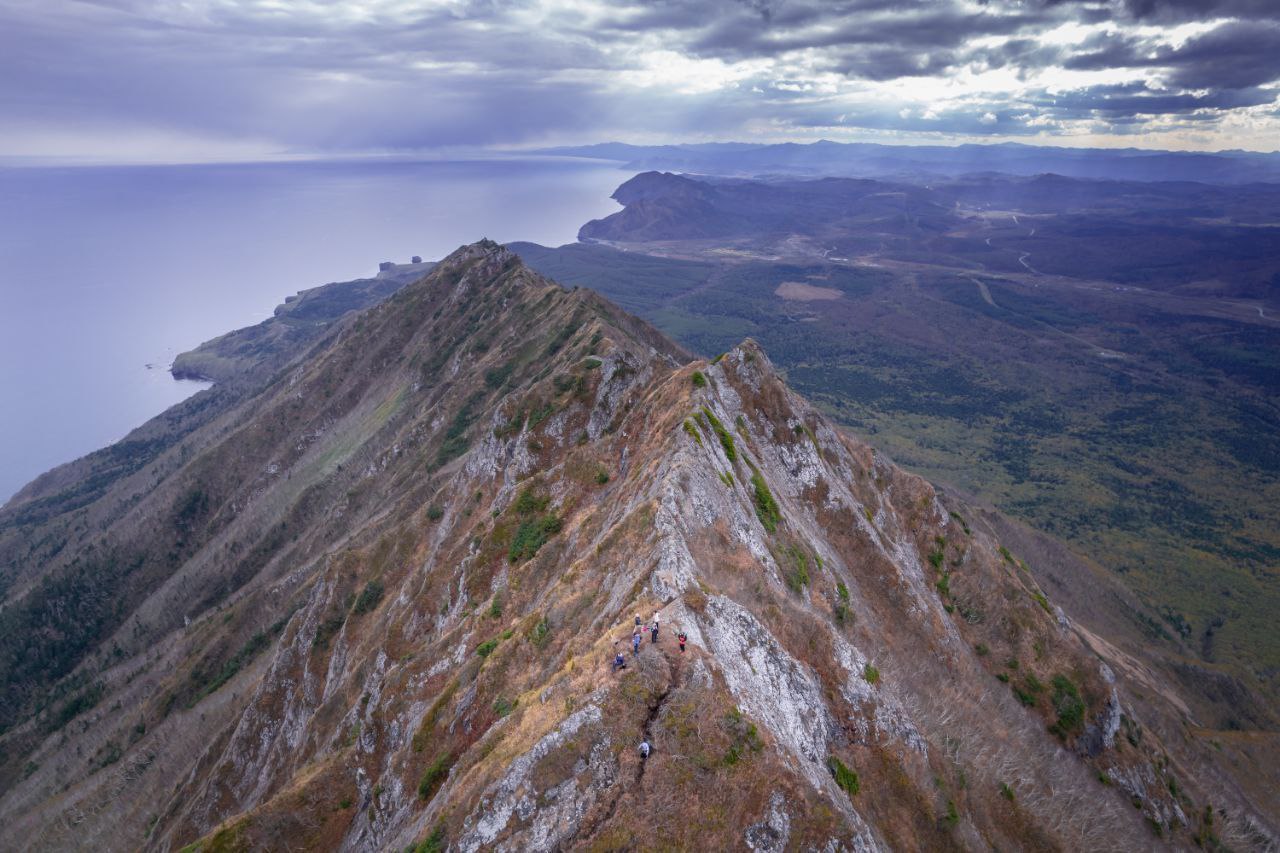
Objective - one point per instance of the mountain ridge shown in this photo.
(407, 561)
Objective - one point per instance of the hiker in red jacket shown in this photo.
(683, 638)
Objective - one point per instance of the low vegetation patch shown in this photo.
(845, 778)
(434, 777)
(1069, 706)
(842, 611)
(798, 575)
(369, 597)
(541, 633)
(766, 507)
(744, 737)
(246, 653)
(871, 674)
(536, 526)
(699, 381)
(436, 842)
(726, 440)
(692, 430)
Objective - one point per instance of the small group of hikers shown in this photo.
(620, 660)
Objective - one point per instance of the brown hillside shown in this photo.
(375, 604)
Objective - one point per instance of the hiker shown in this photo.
(635, 643)
(619, 662)
(644, 749)
(637, 620)
(654, 631)
(683, 638)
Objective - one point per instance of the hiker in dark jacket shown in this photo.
(653, 629)
(619, 662)
(635, 643)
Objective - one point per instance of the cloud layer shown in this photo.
(240, 77)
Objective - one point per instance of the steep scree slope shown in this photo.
(374, 606)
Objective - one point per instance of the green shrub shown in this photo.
(845, 778)
(952, 817)
(436, 842)
(434, 776)
(327, 629)
(486, 648)
(692, 430)
(236, 662)
(1023, 696)
(871, 674)
(766, 507)
(982, 650)
(699, 381)
(535, 528)
(541, 633)
(529, 502)
(76, 706)
(726, 440)
(503, 706)
(1042, 601)
(495, 606)
(498, 376)
(1068, 705)
(592, 363)
(455, 437)
(842, 611)
(944, 584)
(726, 478)
(602, 476)
(531, 536)
(1002, 677)
(368, 597)
(745, 738)
(798, 577)
(1006, 791)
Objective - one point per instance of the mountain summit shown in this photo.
(377, 602)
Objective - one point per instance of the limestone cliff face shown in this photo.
(375, 606)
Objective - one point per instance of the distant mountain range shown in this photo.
(862, 159)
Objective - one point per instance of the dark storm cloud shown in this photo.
(400, 75)
(1174, 11)
(1232, 56)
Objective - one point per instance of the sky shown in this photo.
(196, 80)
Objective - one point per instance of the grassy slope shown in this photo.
(1161, 464)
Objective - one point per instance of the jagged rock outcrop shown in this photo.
(376, 605)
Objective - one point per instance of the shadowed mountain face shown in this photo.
(373, 602)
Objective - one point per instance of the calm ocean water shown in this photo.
(107, 273)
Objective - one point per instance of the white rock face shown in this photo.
(553, 822)
(770, 685)
(771, 834)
